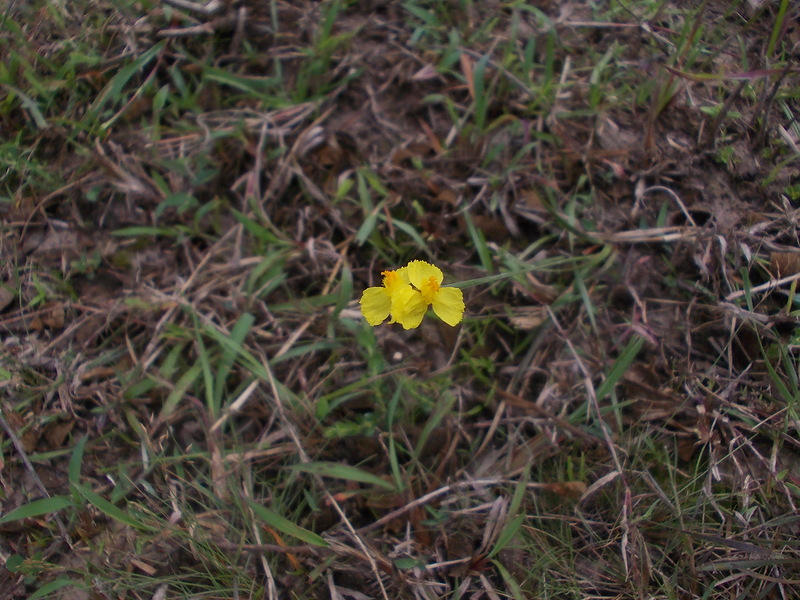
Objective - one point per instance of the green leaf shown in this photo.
(207, 370)
(345, 290)
(587, 301)
(479, 242)
(109, 509)
(509, 531)
(271, 236)
(368, 226)
(519, 492)
(14, 562)
(481, 97)
(36, 508)
(229, 353)
(408, 230)
(393, 461)
(408, 563)
(145, 231)
(180, 201)
(513, 585)
(113, 90)
(76, 460)
(140, 388)
(48, 588)
(346, 472)
(253, 86)
(30, 105)
(284, 525)
(179, 391)
(620, 367)
(443, 409)
(788, 397)
(778, 27)
(245, 358)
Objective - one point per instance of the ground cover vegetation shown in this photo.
(195, 196)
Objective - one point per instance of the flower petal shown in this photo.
(402, 272)
(375, 305)
(408, 307)
(448, 304)
(419, 272)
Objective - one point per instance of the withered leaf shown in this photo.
(783, 264)
(55, 433)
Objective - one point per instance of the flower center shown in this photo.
(391, 280)
(430, 288)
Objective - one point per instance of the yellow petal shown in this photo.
(408, 307)
(393, 294)
(402, 272)
(448, 304)
(419, 273)
(375, 305)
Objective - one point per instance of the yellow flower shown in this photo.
(410, 303)
(376, 302)
(407, 293)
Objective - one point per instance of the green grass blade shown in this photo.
(265, 234)
(587, 301)
(49, 588)
(208, 373)
(144, 231)
(394, 464)
(508, 533)
(519, 493)
(76, 460)
(368, 225)
(36, 508)
(443, 409)
(513, 585)
(229, 353)
(346, 472)
(258, 87)
(179, 390)
(479, 242)
(345, 294)
(409, 231)
(747, 287)
(481, 94)
(284, 525)
(112, 92)
(30, 105)
(778, 27)
(620, 367)
(779, 383)
(109, 509)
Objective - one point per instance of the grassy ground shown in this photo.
(193, 198)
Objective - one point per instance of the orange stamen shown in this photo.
(390, 279)
(429, 289)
